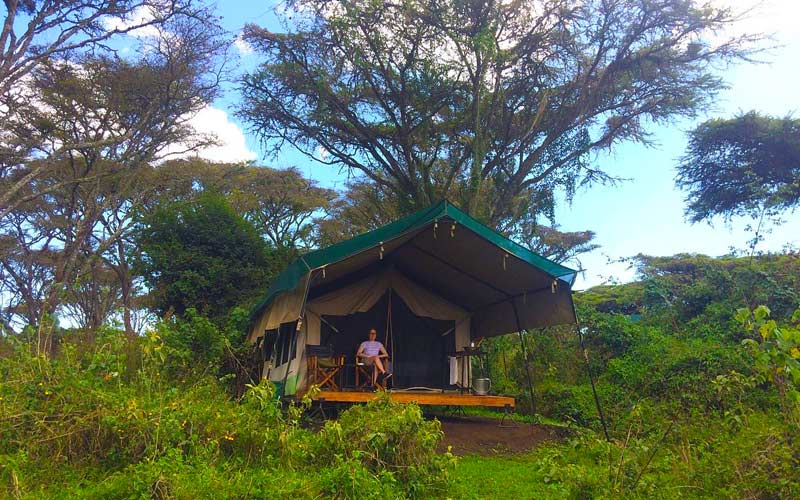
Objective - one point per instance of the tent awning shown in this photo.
(502, 284)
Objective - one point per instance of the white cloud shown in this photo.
(138, 17)
(241, 44)
(322, 153)
(771, 17)
(232, 146)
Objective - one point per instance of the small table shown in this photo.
(466, 355)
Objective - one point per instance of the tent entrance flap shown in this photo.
(418, 346)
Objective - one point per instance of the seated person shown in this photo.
(370, 352)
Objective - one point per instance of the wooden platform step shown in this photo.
(421, 398)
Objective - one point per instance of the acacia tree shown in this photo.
(748, 165)
(34, 31)
(495, 105)
(282, 205)
(38, 32)
(94, 126)
(362, 207)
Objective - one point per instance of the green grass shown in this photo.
(512, 477)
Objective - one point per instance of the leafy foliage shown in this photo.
(776, 354)
(84, 423)
(493, 105)
(691, 412)
(696, 461)
(403, 445)
(742, 166)
(201, 254)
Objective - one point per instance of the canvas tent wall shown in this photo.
(441, 263)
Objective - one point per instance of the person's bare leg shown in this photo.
(378, 370)
(374, 373)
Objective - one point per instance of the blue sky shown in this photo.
(641, 215)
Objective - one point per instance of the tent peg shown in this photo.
(435, 227)
(554, 286)
(323, 271)
(382, 250)
(453, 230)
(505, 256)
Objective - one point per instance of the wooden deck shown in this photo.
(421, 398)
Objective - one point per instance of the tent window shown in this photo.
(268, 343)
(283, 344)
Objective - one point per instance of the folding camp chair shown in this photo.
(364, 370)
(324, 367)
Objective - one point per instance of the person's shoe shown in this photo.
(387, 376)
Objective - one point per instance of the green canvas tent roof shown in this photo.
(451, 253)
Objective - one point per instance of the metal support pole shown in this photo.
(591, 381)
(525, 356)
(589, 372)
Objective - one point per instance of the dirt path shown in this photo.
(483, 436)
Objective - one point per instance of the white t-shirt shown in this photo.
(371, 347)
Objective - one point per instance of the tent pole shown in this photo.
(292, 349)
(525, 357)
(591, 377)
(389, 336)
(594, 390)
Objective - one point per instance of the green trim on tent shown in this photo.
(297, 270)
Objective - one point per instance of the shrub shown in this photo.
(393, 441)
(84, 407)
(83, 423)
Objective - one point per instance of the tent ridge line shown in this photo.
(465, 273)
(510, 252)
(513, 297)
(412, 225)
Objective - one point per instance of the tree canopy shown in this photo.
(496, 106)
(745, 165)
(81, 134)
(201, 254)
(53, 51)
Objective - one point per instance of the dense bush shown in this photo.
(84, 408)
(389, 438)
(84, 422)
(691, 412)
(201, 254)
(692, 461)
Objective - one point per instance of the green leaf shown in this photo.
(742, 315)
(761, 313)
(750, 343)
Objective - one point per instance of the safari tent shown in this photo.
(430, 284)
